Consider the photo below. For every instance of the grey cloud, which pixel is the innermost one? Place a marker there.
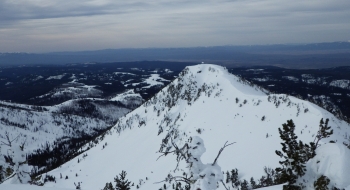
(64, 8)
(168, 23)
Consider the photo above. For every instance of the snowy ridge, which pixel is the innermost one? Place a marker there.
(38, 127)
(205, 98)
(205, 101)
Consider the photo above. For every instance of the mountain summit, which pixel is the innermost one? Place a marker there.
(204, 101)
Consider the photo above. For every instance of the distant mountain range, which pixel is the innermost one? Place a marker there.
(318, 55)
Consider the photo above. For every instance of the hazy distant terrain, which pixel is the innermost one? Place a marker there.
(301, 56)
(51, 85)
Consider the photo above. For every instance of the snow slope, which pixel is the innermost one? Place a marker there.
(28, 187)
(206, 101)
(39, 125)
(36, 127)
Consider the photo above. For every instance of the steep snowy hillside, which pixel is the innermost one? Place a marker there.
(204, 101)
(37, 125)
(40, 124)
(51, 134)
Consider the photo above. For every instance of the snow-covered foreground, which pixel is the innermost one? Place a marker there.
(28, 187)
(32, 187)
(208, 102)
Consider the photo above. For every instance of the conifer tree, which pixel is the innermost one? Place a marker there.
(108, 186)
(228, 177)
(323, 132)
(296, 154)
(121, 182)
(253, 183)
(291, 166)
(244, 185)
(322, 183)
(234, 178)
(1, 173)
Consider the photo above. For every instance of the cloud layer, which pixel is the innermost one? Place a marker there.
(68, 25)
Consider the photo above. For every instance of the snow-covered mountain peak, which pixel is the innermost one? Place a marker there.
(205, 101)
(215, 77)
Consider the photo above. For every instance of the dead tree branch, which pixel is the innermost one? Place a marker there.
(181, 153)
(221, 149)
(224, 185)
(176, 179)
(9, 142)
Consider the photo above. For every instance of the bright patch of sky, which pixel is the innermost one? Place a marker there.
(72, 25)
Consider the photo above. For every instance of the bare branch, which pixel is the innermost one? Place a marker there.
(22, 145)
(225, 185)
(177, 179)
(3, 143)
(9, 142)
(180, 152)
(165, 153)
(221, 149)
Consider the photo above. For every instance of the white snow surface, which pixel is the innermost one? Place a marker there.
(204, 97)
(332, 160)
(57, 77)
(154, 80)
(168, 71)
(24, 123)
(340, 83)
(129, 98)
(73, 90)
(291, 78)
(28, 187)
(126, 94)
(38, 78)
(123, 73)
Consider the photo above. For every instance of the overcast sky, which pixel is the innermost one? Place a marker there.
(74, 25)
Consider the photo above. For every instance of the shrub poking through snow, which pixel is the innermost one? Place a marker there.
(322, 183)
(16, 161)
